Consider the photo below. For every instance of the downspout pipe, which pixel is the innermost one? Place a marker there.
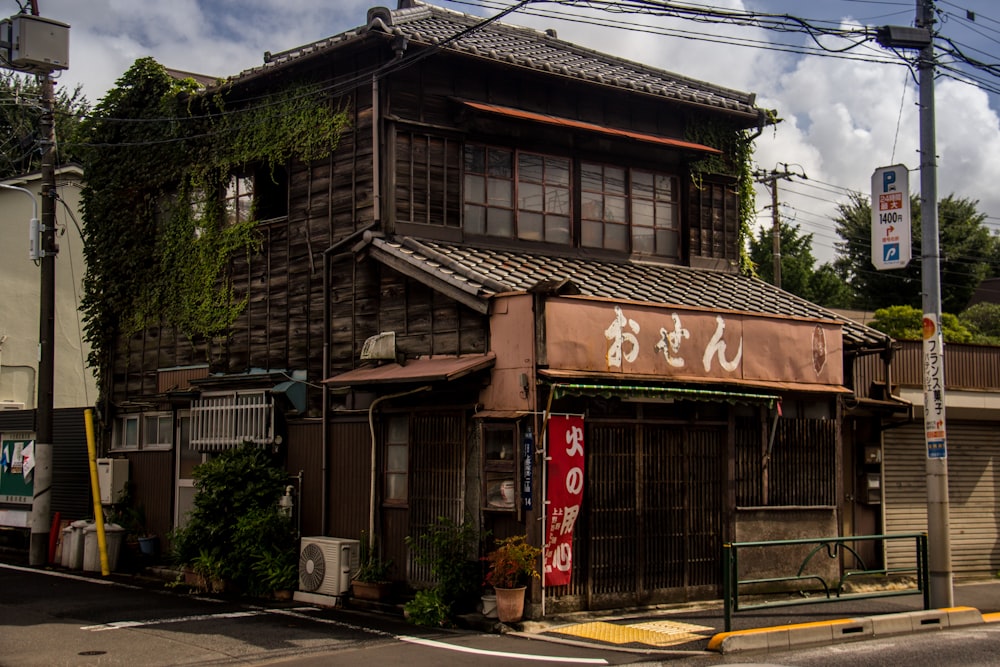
(374, 450)
(329, 256)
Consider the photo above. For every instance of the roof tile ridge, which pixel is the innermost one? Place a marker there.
(546, 38)
(451, 263)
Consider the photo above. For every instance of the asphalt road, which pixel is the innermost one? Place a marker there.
(58, 618)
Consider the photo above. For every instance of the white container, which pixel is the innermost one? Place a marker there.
(67, 539)
(489, 606)
(113, 536)
(74, 558)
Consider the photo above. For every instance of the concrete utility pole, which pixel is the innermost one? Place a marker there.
(771, 180)
(41, 504)
(936, 467)
(938, 524)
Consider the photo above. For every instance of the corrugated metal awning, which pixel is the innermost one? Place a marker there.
(424, 369)
(590, 127)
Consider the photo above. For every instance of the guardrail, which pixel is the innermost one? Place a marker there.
(832, 547)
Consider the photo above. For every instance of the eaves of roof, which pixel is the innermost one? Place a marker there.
(435, 27)
(472, 275)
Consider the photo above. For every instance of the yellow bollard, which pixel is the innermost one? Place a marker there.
(95, 487)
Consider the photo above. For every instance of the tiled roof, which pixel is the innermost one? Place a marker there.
(429, 25)
(483, 272)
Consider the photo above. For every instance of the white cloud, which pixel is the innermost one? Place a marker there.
(842, 117)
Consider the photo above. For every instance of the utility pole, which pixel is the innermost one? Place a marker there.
(938, 524)
(770, 179)
(36, 45)
(41, 504)
(936, 466)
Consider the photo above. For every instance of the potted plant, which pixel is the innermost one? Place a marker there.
(371, 581)
(511, 566)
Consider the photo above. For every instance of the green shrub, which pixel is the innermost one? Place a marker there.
(235, 531)
(428, 609)
(451, 551)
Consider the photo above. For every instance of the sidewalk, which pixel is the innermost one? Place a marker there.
(698, 628)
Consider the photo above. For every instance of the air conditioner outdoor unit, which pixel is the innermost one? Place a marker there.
(327, 564)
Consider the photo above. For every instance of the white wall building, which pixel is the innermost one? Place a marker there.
(20, 278)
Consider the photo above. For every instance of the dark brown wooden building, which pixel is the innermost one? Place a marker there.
(512, 227)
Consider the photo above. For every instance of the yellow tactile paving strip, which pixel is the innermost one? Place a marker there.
(653, 633)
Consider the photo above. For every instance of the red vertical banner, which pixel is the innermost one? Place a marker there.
(564, 495)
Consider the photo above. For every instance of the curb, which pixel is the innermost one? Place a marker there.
(845, 629)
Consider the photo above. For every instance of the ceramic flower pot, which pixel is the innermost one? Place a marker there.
(510, 604)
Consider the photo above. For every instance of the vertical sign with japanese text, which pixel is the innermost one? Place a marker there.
(891, 217)
(565, 494)
(934, 419)
(527, 469)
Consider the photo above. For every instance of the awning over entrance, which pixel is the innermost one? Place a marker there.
(424, 369)
(679, 393)
(667, 387)
(590, 127)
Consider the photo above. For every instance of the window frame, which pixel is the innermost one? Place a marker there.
(390, 473)
(500, 455)
(120, 431)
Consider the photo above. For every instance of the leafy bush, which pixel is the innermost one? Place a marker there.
(512, 563)
(427, 608)
(906, 323)
(450, 550)
(236, 531)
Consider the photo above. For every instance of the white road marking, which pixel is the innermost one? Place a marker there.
(501, 654)
(295, 612)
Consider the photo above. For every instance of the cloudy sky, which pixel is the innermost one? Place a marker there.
(844, 114)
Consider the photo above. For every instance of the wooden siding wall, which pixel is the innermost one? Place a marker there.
(282, 326)
(305, 454)
(348, 477)
(151, 481)
(967, 367)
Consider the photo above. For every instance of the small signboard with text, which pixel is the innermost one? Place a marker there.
(891, 217)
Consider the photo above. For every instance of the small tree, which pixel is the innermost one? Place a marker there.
(906, 323)
(983, 320)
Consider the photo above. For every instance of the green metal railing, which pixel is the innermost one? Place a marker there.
(833, 547)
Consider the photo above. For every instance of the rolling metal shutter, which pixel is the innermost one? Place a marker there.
(973, 476)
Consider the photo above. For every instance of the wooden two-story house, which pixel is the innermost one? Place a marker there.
(512, 229)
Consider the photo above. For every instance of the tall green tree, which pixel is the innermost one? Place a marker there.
(968, 252)
(20, 116)
(798, 276)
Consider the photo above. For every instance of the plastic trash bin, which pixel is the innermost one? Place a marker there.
(73, 552)
(113, 535)
(64, 553)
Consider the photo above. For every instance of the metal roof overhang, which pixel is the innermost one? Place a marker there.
(424, 369)
(667, 386)
(546, 119)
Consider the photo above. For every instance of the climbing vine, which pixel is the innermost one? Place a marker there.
(158, 156)
(736, 161)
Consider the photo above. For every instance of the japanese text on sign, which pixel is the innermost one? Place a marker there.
(565, 494)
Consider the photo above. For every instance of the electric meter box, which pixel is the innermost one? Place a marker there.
(112, 476)
(38, 44)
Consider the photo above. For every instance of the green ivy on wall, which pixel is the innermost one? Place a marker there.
(736, 161)
(158, 153)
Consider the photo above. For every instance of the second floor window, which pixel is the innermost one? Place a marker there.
(517, 194)
(630, 210)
